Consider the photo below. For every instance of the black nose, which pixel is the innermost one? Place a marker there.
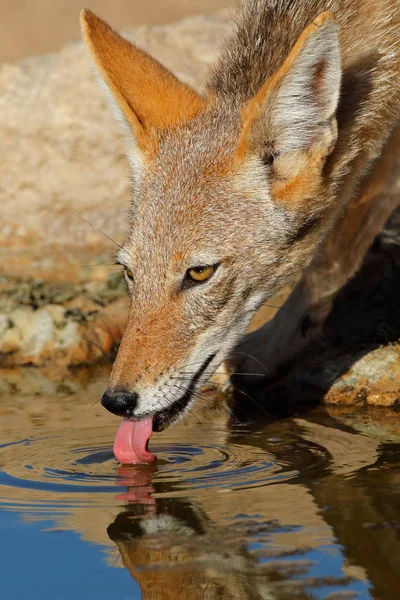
(120, 403)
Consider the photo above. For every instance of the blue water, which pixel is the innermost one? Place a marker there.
(36, 563)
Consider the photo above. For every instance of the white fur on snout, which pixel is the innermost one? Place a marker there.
(165, 522)
(172, 386)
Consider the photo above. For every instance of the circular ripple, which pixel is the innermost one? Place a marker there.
(233, 466)
(53, 470)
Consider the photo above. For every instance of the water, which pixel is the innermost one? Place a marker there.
(294, 508)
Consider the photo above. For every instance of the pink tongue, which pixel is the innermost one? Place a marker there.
(130, 445)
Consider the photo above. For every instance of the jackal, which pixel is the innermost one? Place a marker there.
(284, 162)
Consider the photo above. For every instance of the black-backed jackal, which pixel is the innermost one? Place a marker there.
(285, 161)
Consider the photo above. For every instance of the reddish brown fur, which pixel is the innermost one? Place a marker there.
(156, 350)
(150, 96)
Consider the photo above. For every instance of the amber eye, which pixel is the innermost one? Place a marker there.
(129, 273)
(199, 274)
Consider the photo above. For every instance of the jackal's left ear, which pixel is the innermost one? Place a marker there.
(294, 112)
(150, 98)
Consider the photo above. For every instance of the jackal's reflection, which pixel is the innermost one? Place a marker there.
(173, 550)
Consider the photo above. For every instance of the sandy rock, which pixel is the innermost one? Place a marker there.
(61, 336)
(370, 377)
(63, 151)
(374, 378)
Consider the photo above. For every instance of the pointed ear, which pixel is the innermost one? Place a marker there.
(291, 120)
(149, 96)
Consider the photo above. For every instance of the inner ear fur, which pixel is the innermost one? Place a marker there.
(291, 121)
(148, 95)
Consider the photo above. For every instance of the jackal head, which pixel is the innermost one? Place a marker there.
(229, 199)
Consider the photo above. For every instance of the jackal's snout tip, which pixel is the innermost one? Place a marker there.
(121, 403)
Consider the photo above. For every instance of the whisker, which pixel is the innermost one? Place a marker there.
(305, 267)
(192, 391)
(98, 346)
(240, 391)
(253, 357)
(111, 274)
(100, 265)
(198, 362)
(237, 389)
(193, 412)
(297, 316)
(207, 400)
(94, 227)
(221, 406)
(252, 399)
(290, 312)
(224, 373)
(106, 324)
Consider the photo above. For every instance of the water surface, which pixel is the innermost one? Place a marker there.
(293, 508)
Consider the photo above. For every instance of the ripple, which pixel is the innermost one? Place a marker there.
(227, 467)
(56, 470)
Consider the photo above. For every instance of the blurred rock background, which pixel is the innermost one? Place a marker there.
(28, 28)
(64, 192)
(64, 180)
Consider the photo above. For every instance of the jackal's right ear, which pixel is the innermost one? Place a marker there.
(150, 98)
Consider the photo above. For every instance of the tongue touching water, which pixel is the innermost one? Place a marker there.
(297, 507)
(131, 441)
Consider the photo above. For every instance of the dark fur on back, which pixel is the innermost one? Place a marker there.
(266, 30)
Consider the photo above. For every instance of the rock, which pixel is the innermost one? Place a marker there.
(373, 378)
(63, 151)
(61, 336)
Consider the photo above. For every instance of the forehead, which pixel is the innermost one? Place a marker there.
(187, 186)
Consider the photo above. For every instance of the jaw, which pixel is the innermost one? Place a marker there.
(160, 402)
(181, 406)
(172, 414)
(177, 409)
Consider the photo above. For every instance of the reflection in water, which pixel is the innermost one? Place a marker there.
(291, 508)
(174, 549)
